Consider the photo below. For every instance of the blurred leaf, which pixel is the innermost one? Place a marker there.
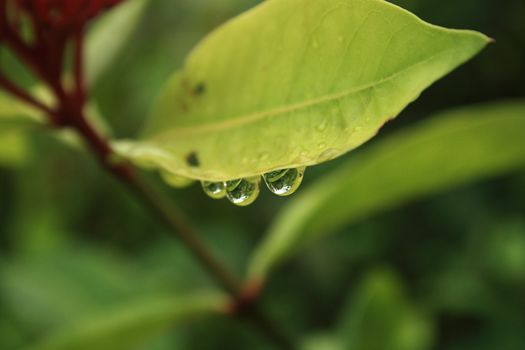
(14, 117)
(92, 297)
(451, 149)
(380, 317)
(57, 286)
(505, 252)
(459, 289)
(322, 342)
(10, 336)
(14, 148)
(13, 112)
(293, 83)
(131, 324)
(109, 35)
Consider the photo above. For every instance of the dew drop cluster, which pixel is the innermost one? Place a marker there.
(243, 192)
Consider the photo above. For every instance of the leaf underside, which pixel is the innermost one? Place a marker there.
(294, 83)
(453, 148)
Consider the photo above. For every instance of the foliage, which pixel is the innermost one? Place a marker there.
(305, 84)
(464, 144)
(422, 229)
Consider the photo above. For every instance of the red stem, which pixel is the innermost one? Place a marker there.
(78, 67)
(45, 58)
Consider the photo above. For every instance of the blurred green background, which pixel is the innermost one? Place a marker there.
(446, 272)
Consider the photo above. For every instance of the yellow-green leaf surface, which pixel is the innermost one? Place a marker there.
(453, 148)
(293, 83)
(130, 326)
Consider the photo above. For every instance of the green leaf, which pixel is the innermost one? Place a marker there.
(109, 35)
(131, 324)
(322, 342)
(14, 117)
(14, 148)
(451, 149)
(381, 317)
(14, 112)
(293, 83)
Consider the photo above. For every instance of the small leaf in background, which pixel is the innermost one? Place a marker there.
(14, 118)
(14, 148)
(293, 83)
(133, 324)
(451, 149)
(91, 299)
(380, 316)
(109, 35)
(13, 112)
(322, 342)
(505, 252)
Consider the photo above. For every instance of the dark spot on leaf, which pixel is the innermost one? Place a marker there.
(184, 107)
(192, 159)
(199, 89)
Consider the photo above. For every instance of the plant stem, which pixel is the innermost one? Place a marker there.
(167, 213)
(45, 58)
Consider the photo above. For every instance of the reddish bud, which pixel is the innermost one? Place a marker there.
(63, 15)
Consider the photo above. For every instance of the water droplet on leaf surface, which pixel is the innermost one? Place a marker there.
(232, 184)
(284, 182)
(243, 192)
(275, 175)
(215, 190)
(322, 127)
(328, 154)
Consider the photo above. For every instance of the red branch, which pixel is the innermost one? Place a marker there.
(78, 67)
(55, 24)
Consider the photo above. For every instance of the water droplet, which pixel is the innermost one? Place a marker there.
(264, 156)
(315, 44)
(175, 180)
(340, 38)
(245, 192)
(322, 127)
(321, 145)
(215, 190)
(275, 175)
(231, 184)
(328, 154)
(358, 128)
(367, 120)
(286, 183)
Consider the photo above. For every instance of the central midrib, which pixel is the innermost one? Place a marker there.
(254, 117)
